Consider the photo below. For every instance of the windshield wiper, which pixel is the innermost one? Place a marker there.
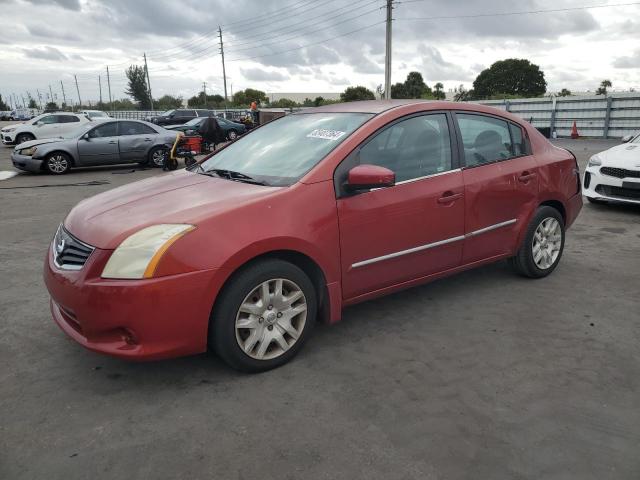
(235, 176)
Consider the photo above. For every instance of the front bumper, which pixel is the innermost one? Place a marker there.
(598, 186)
(7, 138)
(24, 162)
(147, 319)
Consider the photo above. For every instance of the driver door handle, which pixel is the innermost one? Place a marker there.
(449, 197)
(113, 141)
(148, 140)
(526, 176)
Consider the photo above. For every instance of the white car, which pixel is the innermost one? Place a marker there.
(615, 173)
(96, 114)
(48, 125)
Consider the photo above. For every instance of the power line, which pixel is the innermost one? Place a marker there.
(303, 26)
(288, 9)
(308, 44)
(523, 12)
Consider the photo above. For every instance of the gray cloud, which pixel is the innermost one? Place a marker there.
(260, 75)
(45, 53)
(435, 68)
(49, 32)
(631, 61)
(66, 4)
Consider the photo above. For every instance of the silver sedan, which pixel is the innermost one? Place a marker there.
(107, 143)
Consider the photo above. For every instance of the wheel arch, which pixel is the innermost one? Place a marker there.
(58, 150)
(558, 205)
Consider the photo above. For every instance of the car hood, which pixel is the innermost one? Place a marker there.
(13, 125)
(626, 155)
(105, 220)
(34, 143)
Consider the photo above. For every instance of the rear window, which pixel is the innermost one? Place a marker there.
(67, 119)
(135, 128)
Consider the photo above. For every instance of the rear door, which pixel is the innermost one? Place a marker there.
(135, 139)
(67, 123)
(410, 230)
(500, 182)
(101, 146)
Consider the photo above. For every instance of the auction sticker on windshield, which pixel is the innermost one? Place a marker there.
(326, 134)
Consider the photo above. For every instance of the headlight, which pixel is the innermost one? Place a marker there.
(28, 151)
(594, 161)
(138, 256)
(7, 130)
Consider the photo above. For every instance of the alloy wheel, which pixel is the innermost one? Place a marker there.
(271, 319)
(158, 156)
(547, 242)
(232, 135)
(57, 163)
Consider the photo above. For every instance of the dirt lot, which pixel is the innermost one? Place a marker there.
(484, 375)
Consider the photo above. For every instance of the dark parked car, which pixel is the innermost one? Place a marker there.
(107, 143)
(178, 116)
(231, 129)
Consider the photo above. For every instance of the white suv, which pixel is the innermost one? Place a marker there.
(48, 125)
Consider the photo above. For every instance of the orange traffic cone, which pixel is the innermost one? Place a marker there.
(574, 130)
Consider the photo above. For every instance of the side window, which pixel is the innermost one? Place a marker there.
(49, 119)
(485, 139)
(519, 144)
(413, 148)
(185, 113)
(135, 128)
(203, 113)
(67, 119)
(107, 130)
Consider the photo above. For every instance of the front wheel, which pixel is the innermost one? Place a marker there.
(264, 316)
(24, 137)
(543, 244)
(58, 163)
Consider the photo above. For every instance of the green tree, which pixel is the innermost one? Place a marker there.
(512, 76)
(137, 88)
(564, 93)
(602, 89)
(438, 93)
(3, 105)
(353, 94)
(412, 87)
(32, 103)
(284, 103)
(123, 104)
(243, 98)
(167, 102)
(210, 101)
(461, 94)
(52, 106)
(318, 101)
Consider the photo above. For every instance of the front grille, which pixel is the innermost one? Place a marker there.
(620, 192)
(620, 172)
(587, 179)
(69, 253)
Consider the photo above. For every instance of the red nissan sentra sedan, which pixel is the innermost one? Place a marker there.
(244, 251)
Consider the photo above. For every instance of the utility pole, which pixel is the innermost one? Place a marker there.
(204, 90)
(387, 56)
(64, 97)
(39, 98)
(23, 104)
(78, 90)
(224, 73)
(146, 69)
(109, 85)
(51, 93)
(100, 88)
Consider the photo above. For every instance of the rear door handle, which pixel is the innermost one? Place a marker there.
(113, 141)
(148, 140)
(449, 197)
(526, 176)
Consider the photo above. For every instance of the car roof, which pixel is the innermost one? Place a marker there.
(379, 106)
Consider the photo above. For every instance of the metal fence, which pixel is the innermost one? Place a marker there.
(230, 113)
(612, 116)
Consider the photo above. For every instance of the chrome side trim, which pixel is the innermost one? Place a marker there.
(490, 227)
(433, 245)
(428, 176)
(406, 252)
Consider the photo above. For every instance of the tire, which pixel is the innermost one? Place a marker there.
(57, 163)
(543, 244)
(250, 335)
(157, 157)
(232, 135)
(24, 137)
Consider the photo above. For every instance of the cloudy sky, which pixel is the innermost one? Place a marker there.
(309, 45)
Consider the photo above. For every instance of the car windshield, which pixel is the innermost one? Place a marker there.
(282, 151)
(35, 119)
(167, 113)
(194, 122)
(636, 139)
(98, 115)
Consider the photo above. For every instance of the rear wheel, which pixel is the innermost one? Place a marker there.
(232, 135)
(264, 316)
(543, 244)
(24, 137)
(58, 163)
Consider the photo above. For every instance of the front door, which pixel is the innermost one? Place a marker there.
(101, 146)
(410, 230)
(47, 127)
(501, 185)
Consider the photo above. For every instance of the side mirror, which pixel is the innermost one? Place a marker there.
(365, 177)
(627, 138)
(85, 136)
(39, 123)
